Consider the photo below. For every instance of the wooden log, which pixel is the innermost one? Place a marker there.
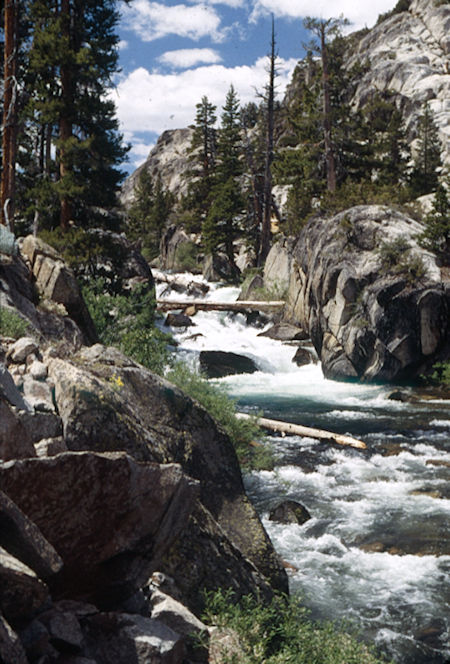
(308, 432)
(206, 305)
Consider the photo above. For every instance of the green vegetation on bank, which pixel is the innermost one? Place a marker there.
(282, 633)
(12, 325)
(244, 434)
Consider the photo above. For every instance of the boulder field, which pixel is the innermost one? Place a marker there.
(121, 499)
(375, 304)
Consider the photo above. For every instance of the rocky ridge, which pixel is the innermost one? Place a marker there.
(169, 159)
(120, 499)
(409, 55)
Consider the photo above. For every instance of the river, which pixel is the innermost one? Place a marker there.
(376, 551)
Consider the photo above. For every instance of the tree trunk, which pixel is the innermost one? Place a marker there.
(329, 152)
(9, 138)
(65, 123)
(267, 209)
(307, 432)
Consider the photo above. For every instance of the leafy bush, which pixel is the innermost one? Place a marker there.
(186, 257)
(441, 374)
(12, 324)
(281, 633)
(126, 321)
(244, 434)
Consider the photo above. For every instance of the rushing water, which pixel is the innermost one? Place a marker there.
(377, 548)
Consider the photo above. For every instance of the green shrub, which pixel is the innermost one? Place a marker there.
(282, 633)
(396, 258)
(244, 434)
(12, 324)
(186, 257)
(126, 321)
(441, 374)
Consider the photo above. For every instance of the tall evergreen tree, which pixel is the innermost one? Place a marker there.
(323, 31)
(68, 118)
(227, 200)
(437, 223)
(203, 158)
(9, 120)
(149, 213)
(264, 245)
(425, 175)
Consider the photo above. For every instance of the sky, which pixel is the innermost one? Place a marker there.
(174, 52)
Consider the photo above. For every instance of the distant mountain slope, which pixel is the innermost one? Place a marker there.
(409, 54)
(169, 158)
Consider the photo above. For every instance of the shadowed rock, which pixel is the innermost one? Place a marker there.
(217, 363)
(109, 517)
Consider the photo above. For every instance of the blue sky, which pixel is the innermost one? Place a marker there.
(174, 52)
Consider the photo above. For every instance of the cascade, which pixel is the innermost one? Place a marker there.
(376, 551)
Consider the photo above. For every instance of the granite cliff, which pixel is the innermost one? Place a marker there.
(375, 304)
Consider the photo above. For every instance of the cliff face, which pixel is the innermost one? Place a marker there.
(409, 54)
(369, 318)
(168, 159)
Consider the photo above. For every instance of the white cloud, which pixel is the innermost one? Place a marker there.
(359, 14)
(153, 20)
(122, 45)
(139, 150)
(152, 102)
(189, 57)
(234, 4)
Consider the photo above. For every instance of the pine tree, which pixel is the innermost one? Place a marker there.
(72, 56)
(437, 232)
(269, 103)
(227, 200)
(203, 149)
(9, 120)
(424, 176)
(149, 213)
(323, 30)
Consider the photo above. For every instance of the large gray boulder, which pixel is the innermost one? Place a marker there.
(368, 321)
(108, 402)
(56, 282)
(109, 517)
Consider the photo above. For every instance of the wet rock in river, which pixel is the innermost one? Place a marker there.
(304, 356)
(178, 320)
(217, 363)
(290, 511)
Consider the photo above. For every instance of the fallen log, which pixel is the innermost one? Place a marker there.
(206, 305)
(308, 432)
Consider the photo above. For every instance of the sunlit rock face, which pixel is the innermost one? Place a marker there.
(409, 54)
(368, 320)
(170, 159)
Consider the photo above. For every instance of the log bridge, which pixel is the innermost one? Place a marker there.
(206, 305)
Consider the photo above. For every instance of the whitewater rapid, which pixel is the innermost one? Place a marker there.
(377, 548)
